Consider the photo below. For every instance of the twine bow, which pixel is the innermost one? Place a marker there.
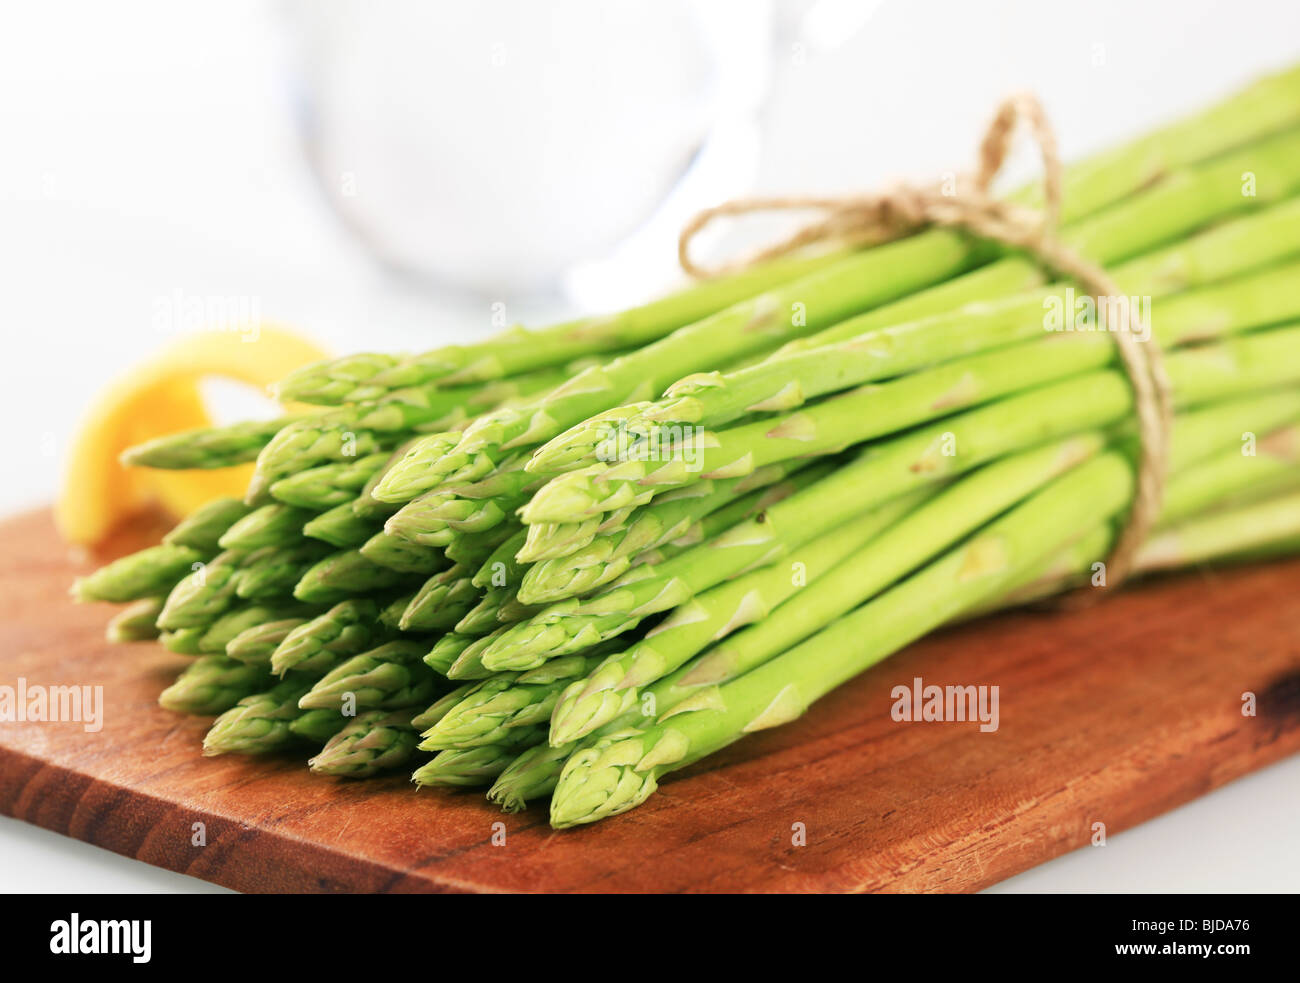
(879, 217)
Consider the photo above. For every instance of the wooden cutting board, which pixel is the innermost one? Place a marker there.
(1110, 715)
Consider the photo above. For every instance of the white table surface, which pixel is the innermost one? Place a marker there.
(145, 151)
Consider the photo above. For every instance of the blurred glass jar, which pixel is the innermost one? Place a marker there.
(500, 145)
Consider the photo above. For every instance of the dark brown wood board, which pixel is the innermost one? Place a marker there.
(1113, 714)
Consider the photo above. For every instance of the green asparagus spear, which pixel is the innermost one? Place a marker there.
(341, 527)
(502, 703)
(329, 485)
(479, 765)
(441, 601)
(144, 574)
(519, 351)
(207, 447)
(680, 521)
(257, 724)
(342, 575)
(218, 636)
(203, 528)
(212, 684)
(137, 622)
(347, 629)
(182, 641)
(533, 774)
(258, 643)
(401, 555)
(446, 651)
(440, 707)
(318, 726)
(388, 677)
(373, 742)
(269, 525)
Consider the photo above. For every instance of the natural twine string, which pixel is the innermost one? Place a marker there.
(871, 218)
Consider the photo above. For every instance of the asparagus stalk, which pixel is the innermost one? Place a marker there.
(491, 710)
(502, 568)
(441, 601)
(440, 707)
(341, 527)
(203, 528)
(548, 540)
(609, 557)
(1235, 471)
(258, 643)
(374, 742)
(212, 589)
(531, 775)
(1211, 536)
(387, 420)
(274, 524)
(473, 548)
(136, 622)
(669, 519)
(401, 555)
(497, 606)
(446, 651)
(478, 765)
(1261, 529)
(348, 628)
(204, 595)
(146, 573)
(329, 485)
(621, 771)
(318, 726)
(469, 663)
(365, 505)
(182, 641)
(212, 684)
(257, 724)
(517, 351)
(418, 522)
(390, 616)
(207, 447)
(217, 636)
(344, 574)
(388, 677)
(450, 511)
(272, 572)
(307, 444)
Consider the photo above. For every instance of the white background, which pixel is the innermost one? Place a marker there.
(145, 148)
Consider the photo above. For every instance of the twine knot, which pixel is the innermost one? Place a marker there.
(862, 219)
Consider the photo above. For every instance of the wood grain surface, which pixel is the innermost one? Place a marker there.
(1110, 715)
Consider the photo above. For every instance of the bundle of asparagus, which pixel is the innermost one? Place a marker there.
(567, 562)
